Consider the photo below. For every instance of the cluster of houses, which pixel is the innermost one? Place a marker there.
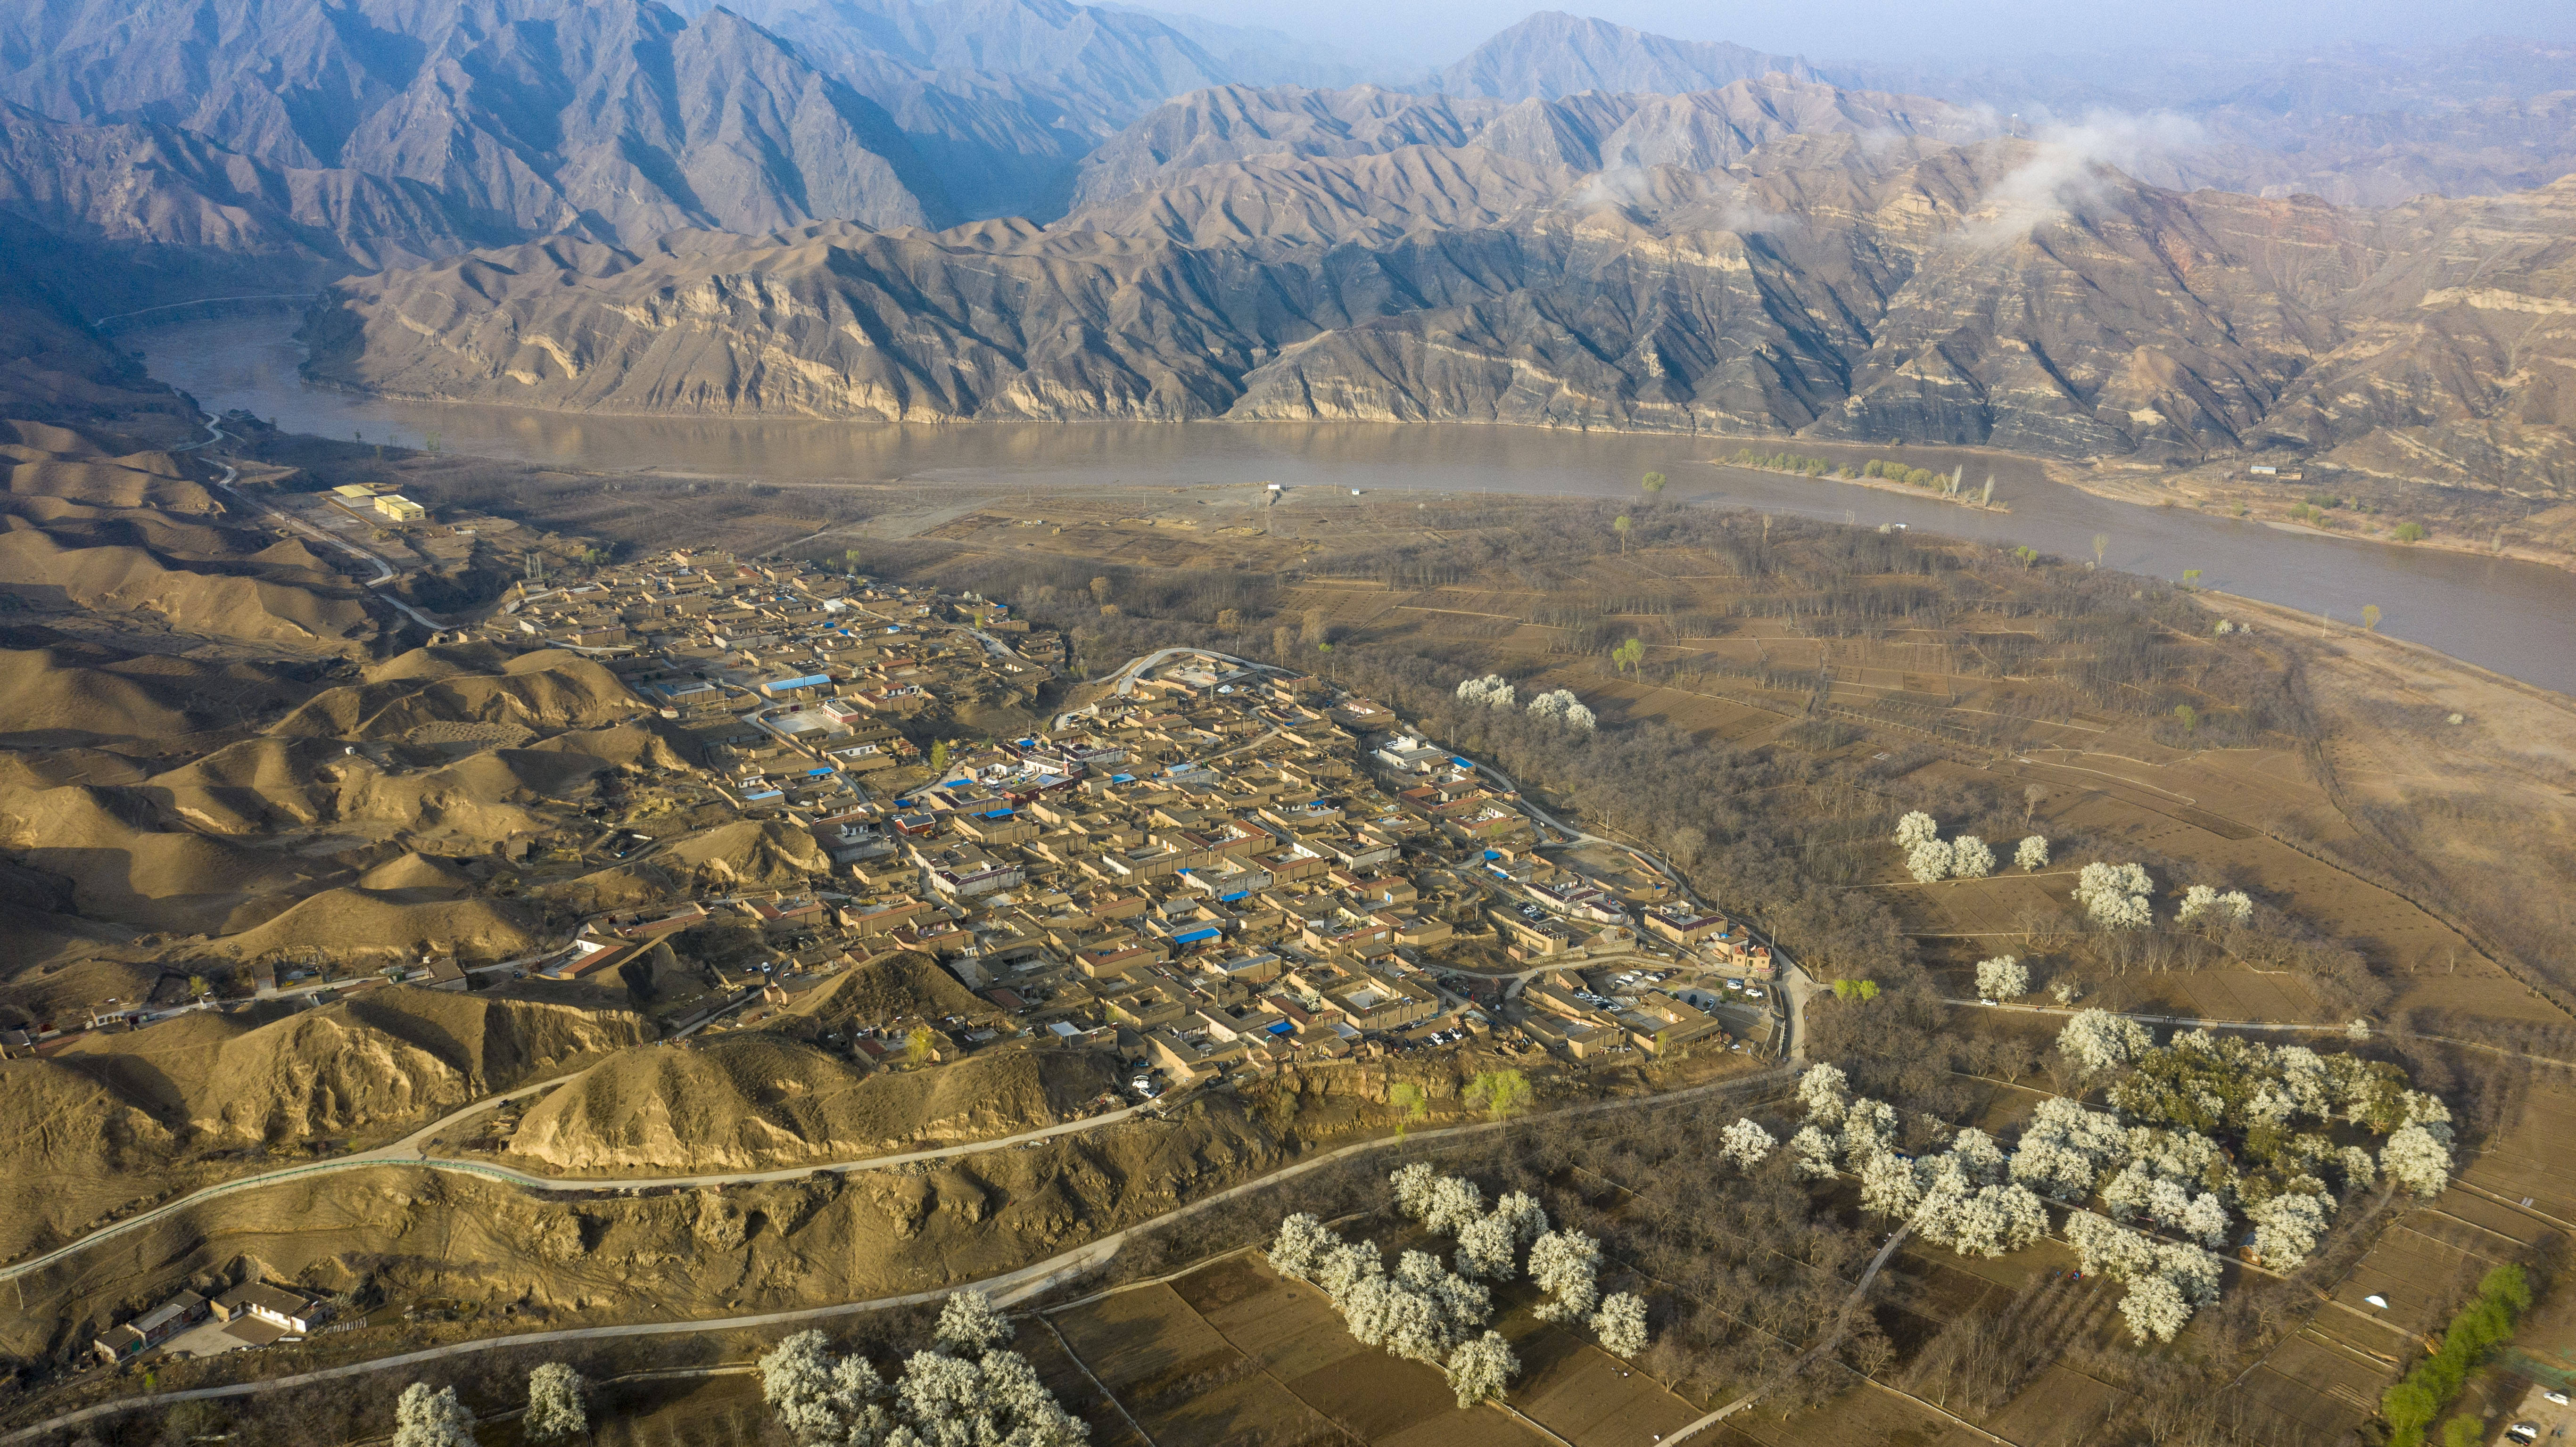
(1218, 868)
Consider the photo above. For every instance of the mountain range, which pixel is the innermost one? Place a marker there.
(962, 209)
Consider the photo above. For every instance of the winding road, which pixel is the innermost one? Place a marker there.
(1008, 1288)
(412, 1151)
(385, 571)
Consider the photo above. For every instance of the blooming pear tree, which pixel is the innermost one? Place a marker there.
(1916, 828)
(1620, 1324)
(1971, 857)
(1480, 1369)
(2031, 854)
(2167, 1281)
(1490, 691)
(2002, 978)
(964, 1389)
(2114, 896)
(426, 1418)
(1931, 861)
(556, 1405)
(1566, 1265)
(1815, 1149)
(1745, 1144)
(2097, 1040)
(1563, 707)
(1826, 1093)
(2418, 1160)
(2203, 905)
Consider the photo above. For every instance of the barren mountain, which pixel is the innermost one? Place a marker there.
(303, 131)
(1554, 54)
(1279, 169)
(114, 1115)
(2005, 293)
(751, 1101)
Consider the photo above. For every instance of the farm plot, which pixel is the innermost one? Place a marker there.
(2528, 1160)
(1232, 1353)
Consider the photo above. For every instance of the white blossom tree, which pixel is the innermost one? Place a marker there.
(1490, 691)
(1413, 1185)
(555, 1404)
(1815, 1150)
(1565, 1265)
(2053, 1168)
(1996, 1220)
(1621, 1324)
(2205, 1220)
(2202, 904)
(1454, 1202)
(2115, 896)
(1480, 1369)
(1915, 828)
(1971, 857)
(1562, 706)
(426, 1418)
(2417, 1159)
(1931, 861)
(2155, 1309)
(2287, 1228)
(1020, 1410)
(1303, 1238)
(2428, 1111)
(2002, 978)
(970, 1325)
(1343, 1266)
(1888, 1185)
(1869, 1127)
(796, 1379)
(2097, 1040)
(1826, 1093)
(1979, 1156)
(1369, 1309)
(1746, 1144)
(2192, 1269)
(1528, 1218)
(2031, 853)
(1486, 1248)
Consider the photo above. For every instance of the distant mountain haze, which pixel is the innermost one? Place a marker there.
(965, 209)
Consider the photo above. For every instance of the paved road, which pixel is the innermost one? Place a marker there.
(385, 572)
(412, 1152)
(1126, 674)
(1796, 986)
(1008, 1288)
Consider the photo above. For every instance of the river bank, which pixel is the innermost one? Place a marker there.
(2501, 613)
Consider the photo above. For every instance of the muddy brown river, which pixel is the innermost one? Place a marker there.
(2517, 618)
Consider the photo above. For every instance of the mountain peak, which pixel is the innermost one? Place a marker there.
(1554, 53)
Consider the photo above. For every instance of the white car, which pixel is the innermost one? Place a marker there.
(2523, 1431)
(2555, 1399)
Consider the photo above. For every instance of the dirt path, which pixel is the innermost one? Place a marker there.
(1007, 1288)
(1830, 1340)
(2198, 1023)
(411, 1151)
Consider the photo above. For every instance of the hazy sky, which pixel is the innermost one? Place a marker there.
(1892, 30)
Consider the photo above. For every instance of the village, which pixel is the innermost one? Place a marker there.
(1211, 869)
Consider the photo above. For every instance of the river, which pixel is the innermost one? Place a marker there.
(2513, 617)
